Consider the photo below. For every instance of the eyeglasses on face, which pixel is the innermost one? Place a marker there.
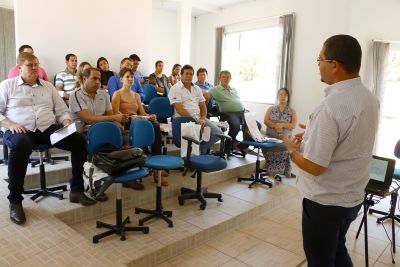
(319, 59)
(32, 65)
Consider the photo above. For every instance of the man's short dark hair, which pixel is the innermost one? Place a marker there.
(87, 72)
(346, 50)
(134, 57)
(125, 59)
(186, 67)
(22, 48)
(68, 56)
(200, 70)
(158, 62)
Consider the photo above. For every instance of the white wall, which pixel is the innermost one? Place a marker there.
(370, 20)
(164, 39)
(94, 28)
(315, 21)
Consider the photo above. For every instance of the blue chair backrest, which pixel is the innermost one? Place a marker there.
(141, 133)
(176, 128)
(103, 133)
(161, 107)
(150, 92)
(166, 89)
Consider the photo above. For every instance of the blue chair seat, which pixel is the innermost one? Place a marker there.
(207, 163)
(163, 162)
(129, 176)
(259, 144)
(396, 174)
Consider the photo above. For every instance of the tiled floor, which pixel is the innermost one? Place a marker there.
(252, 227)
(275, 240)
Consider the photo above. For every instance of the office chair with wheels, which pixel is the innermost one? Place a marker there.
(108, 133)
(201, 163)
(44, 190)
(142, 135)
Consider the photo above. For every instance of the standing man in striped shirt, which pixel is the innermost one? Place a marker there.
(334, 153)
(65, 80)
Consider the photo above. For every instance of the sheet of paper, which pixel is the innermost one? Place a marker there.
(62, 133)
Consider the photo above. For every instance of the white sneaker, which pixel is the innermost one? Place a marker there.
(206, 135)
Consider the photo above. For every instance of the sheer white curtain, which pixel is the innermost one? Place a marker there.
(7, 42)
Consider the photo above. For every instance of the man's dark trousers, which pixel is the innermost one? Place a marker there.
(20, 147)
(324, 233)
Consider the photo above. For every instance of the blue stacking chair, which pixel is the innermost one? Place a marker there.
(161, 107)
(258, 176)
(201, 163)
(108, 133)
(150, 92)
(142, 135)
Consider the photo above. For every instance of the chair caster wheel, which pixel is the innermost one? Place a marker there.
(171, 225)
(61, 197)
(123, 238)
(220, 199)
(98, 225)
(181, 202)
(249, 185)
(140, 223)
(146, 231)
(95, 241)
(136, 211)
(203, 206)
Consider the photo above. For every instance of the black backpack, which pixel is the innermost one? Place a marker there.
(117, 160)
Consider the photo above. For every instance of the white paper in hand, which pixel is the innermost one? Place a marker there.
(62, 133)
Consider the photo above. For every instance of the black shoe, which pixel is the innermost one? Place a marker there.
(80, 197)
(17, 214)
(135, 185)
(103, 197)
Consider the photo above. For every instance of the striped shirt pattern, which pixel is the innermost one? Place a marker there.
(340, 136)
(67, 80)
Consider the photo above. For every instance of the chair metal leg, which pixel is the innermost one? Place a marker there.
(119, 228)
(158, 212)
(257, 177)
(44, 191)
(200, 193)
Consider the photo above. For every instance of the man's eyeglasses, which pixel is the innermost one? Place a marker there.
(32, 65)
(319, 59)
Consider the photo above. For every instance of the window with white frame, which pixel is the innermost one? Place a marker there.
(252, 53)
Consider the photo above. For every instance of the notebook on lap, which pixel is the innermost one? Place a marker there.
(380, 174)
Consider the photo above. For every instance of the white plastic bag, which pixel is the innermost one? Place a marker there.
(192, 130)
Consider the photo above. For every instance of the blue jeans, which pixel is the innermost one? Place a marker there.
(21, 145)
(324, 233)
(205, 146)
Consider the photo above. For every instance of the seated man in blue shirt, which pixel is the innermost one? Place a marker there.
(31, 110)
(114, 83)
(212, 108)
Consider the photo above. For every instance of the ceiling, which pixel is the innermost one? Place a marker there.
(199, 7)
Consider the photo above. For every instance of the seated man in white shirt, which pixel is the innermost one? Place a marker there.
(188, 101)
(31, 110)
